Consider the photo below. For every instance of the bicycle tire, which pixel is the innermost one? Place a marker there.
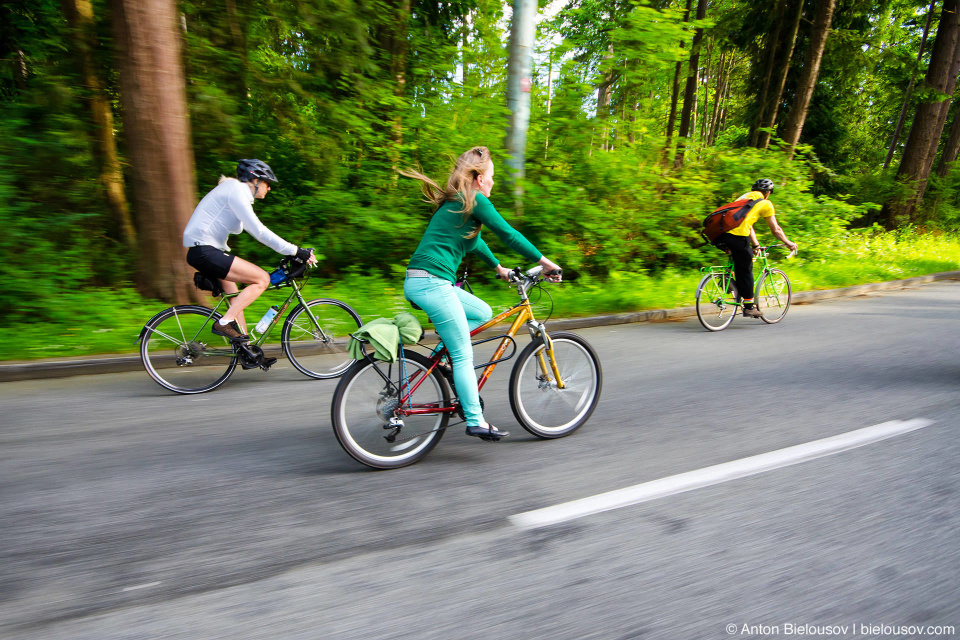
(773, 296)
(320, 354)
(539, 406)
(361, 407)
(174, 350)
(714, 311)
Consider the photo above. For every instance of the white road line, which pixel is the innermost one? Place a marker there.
(141, 586)
(714, 475)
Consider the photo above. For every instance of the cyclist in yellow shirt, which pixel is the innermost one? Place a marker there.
(742, 242)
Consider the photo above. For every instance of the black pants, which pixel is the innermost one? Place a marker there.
(739, 248)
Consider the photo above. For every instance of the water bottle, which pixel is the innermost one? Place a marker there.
(267, 319)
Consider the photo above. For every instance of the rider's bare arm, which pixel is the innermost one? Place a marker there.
(778, 232)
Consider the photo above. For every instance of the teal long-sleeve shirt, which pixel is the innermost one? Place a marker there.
(443, 245)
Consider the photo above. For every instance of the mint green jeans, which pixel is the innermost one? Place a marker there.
(454, 313)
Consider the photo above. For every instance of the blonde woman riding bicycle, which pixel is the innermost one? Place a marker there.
(462, 208)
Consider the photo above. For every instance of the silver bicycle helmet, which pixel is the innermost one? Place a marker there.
(763, 184)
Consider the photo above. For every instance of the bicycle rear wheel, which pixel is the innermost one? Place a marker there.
(716, 295)
(540, 406)
(319, 349)
(364, 403)
(180, 352)
(773, 296)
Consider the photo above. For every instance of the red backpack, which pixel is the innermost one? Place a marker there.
(727, 217)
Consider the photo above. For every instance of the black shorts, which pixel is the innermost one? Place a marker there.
(210, 261)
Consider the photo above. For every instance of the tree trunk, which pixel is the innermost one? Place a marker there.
(690, 92)
(944, 110)
(239, 45)
(464, 43)
(773, 108)
(950, 151)
(808, 78)
(79, 15)
(718, 90)
(157, 129)
(773, 45)
(906, 97)
(927, 123)
(706, 93)
(522, 32)
(675, 96)
(604, 92)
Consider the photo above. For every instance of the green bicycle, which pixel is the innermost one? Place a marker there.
(181, 354)
(718, 299)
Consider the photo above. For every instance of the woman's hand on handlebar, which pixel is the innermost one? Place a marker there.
(548, 268)
(503, 273)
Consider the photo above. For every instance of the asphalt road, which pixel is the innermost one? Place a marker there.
(130, 512)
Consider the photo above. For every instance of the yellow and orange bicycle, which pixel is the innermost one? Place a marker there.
(390, 415)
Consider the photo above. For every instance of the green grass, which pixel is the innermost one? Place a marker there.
(108, 321)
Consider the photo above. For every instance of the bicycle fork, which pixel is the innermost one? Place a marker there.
(538, 332)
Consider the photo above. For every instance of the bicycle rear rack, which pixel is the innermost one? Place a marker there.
(713, 269)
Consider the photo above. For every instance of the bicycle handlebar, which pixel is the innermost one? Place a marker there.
(763, 248)
(294, 267)
(534, 275)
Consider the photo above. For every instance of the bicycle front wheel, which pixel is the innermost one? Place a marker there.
(773, 296)
(364, 403)
(315, 342)
(539, 404)
(716, 296)
(180, 352)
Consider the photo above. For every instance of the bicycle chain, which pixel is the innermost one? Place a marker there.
(417, 435)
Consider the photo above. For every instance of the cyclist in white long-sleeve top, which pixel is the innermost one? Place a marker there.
(228, 210)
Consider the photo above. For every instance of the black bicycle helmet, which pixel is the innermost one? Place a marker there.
(250, 170)
(763, 184)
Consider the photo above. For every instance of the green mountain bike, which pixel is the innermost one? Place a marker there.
(718, 299)
(181, 354)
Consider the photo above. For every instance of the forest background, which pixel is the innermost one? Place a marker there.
(117, 115)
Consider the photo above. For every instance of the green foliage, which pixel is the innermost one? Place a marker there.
(338, 94)
(100, 321)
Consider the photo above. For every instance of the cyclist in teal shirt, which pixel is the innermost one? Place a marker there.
(463, 207)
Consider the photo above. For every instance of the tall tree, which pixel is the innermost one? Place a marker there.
(906, 95)
(952, 146)
(157, 128)
(675, 95)
(690, 91)
(519, 68)
(811, 69)
(929, 117)
(83, 31)
(773, 45)
(775, 97)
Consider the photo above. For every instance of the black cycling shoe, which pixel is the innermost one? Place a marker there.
(230, 330)
(489, 433)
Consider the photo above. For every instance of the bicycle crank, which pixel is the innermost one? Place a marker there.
(251, 356)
